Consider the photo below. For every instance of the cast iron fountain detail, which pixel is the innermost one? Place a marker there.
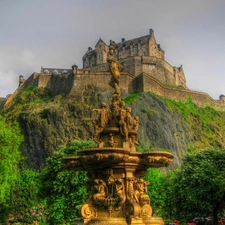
(115, 169)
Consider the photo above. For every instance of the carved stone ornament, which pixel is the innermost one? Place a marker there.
(117, 192)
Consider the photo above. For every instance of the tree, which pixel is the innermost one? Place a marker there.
(156, 190)
(64, 189)
(26, 204)
(198, 188)
(10, 141)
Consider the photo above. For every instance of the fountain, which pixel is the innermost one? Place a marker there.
(115, 170)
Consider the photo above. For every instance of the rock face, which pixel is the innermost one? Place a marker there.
(47, 124)
(161, 127)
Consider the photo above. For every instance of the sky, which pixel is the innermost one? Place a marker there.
(57, 33)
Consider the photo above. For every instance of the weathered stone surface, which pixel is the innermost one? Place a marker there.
(161, 127)
(54, 123)
(57, 123)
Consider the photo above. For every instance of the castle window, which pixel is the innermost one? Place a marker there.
(139, 45)
(100, 55)
(87, 62)
(124, 49)
(131, 48)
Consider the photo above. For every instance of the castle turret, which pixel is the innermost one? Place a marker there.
(74, 68)
(222, 98)
(21, 80)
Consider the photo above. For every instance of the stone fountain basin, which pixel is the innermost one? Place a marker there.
(100, 158)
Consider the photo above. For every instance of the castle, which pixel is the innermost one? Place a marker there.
(139, 55)
(145, 69)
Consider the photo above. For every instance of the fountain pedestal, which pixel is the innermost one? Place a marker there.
(117, 191)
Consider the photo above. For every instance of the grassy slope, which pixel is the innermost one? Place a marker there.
(207, 124)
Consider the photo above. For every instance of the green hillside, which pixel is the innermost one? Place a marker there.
(47, 122)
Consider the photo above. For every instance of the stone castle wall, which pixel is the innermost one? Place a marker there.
(85, 78)
(163, 71)
(72, 85)
(201, 99)
(156, 67)
(32, 80)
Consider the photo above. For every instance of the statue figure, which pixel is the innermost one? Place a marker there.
(115, 69)
(135, 123)
(100, 190)
(112, 140)
(101, 122)
(140, 189)
(115, 98)
(122, 120)
(143, 199)
(110, 180)
(133, 138)
(114, 113)
(129, 118)
(119, 193)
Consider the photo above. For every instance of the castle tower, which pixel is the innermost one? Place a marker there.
(101, 50)
(154, 48)
(138, 55)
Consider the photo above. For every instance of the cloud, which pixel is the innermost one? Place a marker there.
(52, 33)
(14, 62)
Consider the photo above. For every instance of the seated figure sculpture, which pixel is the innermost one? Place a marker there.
(100, 190)
(141, 198)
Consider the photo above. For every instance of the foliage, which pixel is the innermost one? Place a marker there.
(173, 86)
(144, 146)
(207, 124)
(198, 188)
(131, 98)
(64, 190)
(148, 111)
(156, 190)
(26, 205)
(10, 141)
(169, 209)
(35, 95)
(26, 100)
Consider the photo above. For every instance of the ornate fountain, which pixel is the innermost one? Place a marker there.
(117, 190)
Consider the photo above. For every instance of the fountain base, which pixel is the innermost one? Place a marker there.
(119, 221)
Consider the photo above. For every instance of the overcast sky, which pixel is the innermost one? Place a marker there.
(57, 33)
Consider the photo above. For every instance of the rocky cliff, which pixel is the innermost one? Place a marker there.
(48, 122)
